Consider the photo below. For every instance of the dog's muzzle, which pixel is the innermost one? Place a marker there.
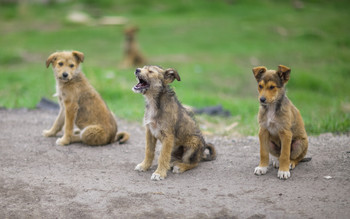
(64, 76)
(262, 99)
(142, 86)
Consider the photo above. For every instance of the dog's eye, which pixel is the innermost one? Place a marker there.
(150, 72)
(60, 63)
(260, 86)
(272, 87)
(71, 65)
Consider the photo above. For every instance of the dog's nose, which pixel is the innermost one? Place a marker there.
(65, 74)
(137, 71)
(262, 99)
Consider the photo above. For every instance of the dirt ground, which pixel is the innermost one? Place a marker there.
(41, 180)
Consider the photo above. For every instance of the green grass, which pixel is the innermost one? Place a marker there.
(213, 45)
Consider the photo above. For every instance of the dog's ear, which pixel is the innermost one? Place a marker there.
(284, 73)
(258, 72)
(78, 55)
(51, 59)
(170, 75)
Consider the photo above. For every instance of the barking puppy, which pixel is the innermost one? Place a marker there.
(132, 55)
(282, 131)
(166, 120)
(80, 105)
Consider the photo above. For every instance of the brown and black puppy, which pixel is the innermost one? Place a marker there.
(166, 120)
(282, 131)
(132, 54)
(80, 105)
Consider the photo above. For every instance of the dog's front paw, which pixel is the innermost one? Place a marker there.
(48, 133)
(157, 177)
(140, 167)
(62, 141)
(283, 174)
(260, 170)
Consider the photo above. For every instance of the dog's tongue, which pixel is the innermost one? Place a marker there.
(141, 84)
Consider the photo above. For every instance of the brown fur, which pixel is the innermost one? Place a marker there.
(132, 54)
(80, 105)
(282, 131)
(166, 120)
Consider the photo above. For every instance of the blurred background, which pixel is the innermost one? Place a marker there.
(213, 44)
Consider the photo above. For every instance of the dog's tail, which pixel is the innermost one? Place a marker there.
(122, 137)
(212, 153)
(306, 159)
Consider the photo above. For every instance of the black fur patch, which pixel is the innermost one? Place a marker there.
(274, 77)
(178, 121)
(279, 102)
(162, 133)
(194, 157)
(157, 99)
(306, 159)
(178, 153)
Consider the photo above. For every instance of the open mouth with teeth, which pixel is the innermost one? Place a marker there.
(142, 85)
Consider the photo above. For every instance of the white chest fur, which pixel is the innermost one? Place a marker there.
(150, 112)
(57, 90)
(270, 117)
(150, 120)
(270, 122)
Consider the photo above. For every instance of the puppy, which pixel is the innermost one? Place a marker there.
(166, 120)
(132, 54)
(80, 105)
(282, 131)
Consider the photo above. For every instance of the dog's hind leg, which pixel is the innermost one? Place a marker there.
(190, 158)
(298, 151)
(176, 155)
(182, 167)
(94, 135)
(75, 138)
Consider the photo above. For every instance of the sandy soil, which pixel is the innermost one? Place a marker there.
(41, 180)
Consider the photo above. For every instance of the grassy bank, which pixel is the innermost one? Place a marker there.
(212, 44)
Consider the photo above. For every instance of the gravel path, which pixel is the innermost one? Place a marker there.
(41, 180)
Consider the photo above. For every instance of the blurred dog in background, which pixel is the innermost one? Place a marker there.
(132, 55)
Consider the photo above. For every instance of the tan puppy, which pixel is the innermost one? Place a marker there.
(132, 54)
(282, 131)
(80, 105)
(166, 120)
